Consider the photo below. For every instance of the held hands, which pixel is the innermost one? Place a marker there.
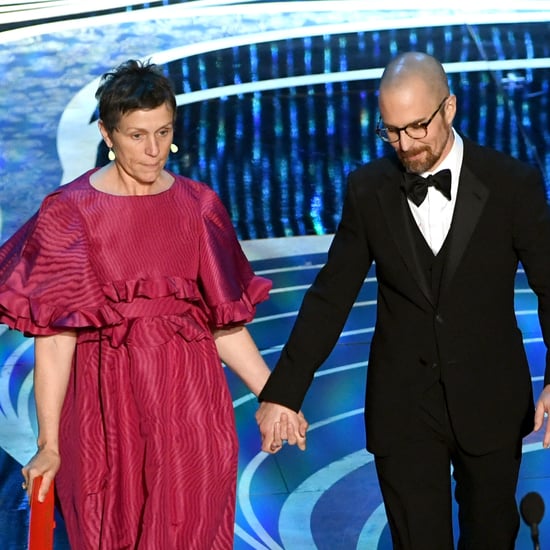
(44, 463)
(542, 410)
(278, 424)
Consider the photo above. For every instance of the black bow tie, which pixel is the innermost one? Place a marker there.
(416, 187)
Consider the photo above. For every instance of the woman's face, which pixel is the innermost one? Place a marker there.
(141, 142)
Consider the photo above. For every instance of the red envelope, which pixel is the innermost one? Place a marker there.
(41, 522)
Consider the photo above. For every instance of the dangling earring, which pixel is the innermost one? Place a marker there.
(111, 155)
(174, 148)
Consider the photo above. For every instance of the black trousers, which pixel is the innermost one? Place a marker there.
(416, 487)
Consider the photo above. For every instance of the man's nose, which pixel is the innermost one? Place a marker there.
(405, 142)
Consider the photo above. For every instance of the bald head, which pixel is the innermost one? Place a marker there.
(415, 68)
(414, 96)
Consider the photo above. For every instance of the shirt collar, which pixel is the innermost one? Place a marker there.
(451, 160)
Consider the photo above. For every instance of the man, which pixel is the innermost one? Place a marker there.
(448, 380)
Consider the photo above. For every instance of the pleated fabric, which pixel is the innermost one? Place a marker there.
(148, 441)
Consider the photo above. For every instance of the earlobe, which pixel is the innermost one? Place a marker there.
(104, 134)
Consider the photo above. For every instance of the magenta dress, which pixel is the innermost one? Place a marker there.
(148, 441)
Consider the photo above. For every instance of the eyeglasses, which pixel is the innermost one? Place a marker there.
(416, 130)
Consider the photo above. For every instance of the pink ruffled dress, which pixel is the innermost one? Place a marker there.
(148, 441)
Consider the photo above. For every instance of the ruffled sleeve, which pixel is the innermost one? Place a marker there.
(230, 288)
(47, 283)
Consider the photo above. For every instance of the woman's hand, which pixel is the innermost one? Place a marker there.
(278, 424)
(45, 463)
(52, 368)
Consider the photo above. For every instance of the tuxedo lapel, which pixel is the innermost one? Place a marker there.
(396, 210)
(471, 199)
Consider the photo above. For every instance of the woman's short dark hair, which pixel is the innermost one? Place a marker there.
(132, 85)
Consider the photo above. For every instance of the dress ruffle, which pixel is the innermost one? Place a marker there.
(230, 312)
(241, 310)
(33, 318)
(128, 291)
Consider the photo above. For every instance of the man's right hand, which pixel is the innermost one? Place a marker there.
(277, 424)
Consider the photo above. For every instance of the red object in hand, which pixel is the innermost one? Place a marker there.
(41, 522)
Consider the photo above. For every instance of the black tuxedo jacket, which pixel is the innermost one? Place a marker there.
(468, 338)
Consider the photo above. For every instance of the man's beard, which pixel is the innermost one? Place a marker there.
(427, 161)
(422, 164)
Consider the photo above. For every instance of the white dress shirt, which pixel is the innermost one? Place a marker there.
(435, 214)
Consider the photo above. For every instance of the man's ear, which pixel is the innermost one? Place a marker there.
(449, 109)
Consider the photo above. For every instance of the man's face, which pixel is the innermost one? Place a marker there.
(414, 104)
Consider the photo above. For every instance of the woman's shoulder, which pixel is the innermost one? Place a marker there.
(199, 198)
(69, 190)
(186, 184)
(64, 203)
(193, 190)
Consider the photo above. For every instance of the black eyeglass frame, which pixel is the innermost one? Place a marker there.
(380, 130)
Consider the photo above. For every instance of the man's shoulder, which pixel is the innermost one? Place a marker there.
(380, 165)
(488, 160)
(376, 173)
(502, 173)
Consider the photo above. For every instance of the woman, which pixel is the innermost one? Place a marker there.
(133, 283)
